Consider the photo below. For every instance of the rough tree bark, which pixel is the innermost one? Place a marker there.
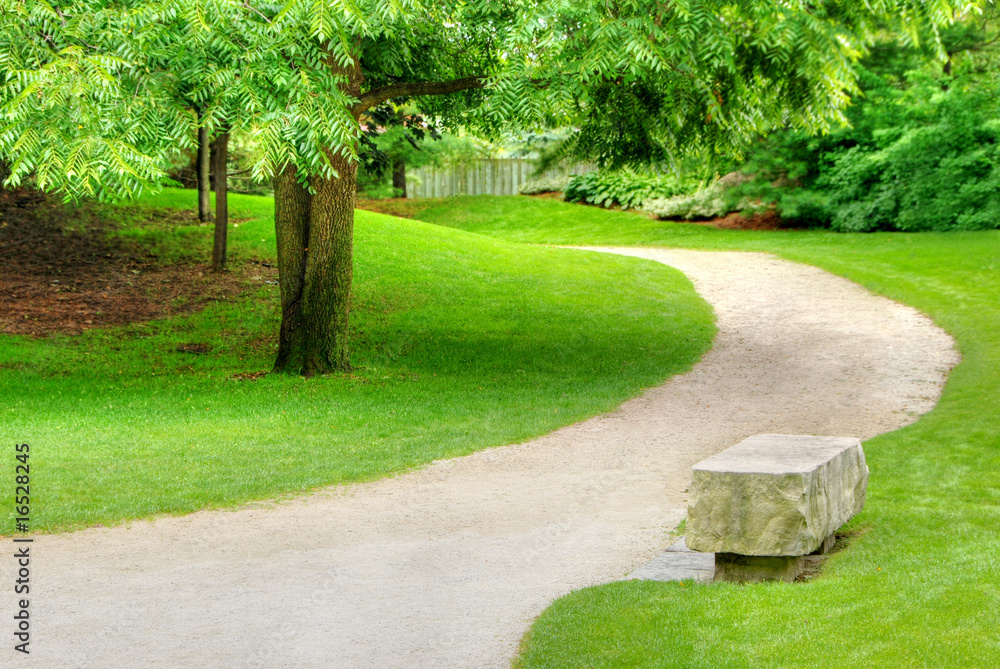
(399, 178)
(315, 235)
(291, 224)
(329, 271)
(220, 152)
(203, 167)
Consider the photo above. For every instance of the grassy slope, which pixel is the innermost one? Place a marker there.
(921, 586)
(460, 342)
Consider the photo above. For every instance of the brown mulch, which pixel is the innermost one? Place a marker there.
(61, 272)
(767, 220)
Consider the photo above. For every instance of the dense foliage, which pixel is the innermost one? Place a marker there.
(929, 160)
(709, 202)
(89, 103)
(625, 188)
(923, 152)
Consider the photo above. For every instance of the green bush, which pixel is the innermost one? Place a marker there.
(544, 185)
(712, 202)
(923, 153)
(624, 188)
(937, 172)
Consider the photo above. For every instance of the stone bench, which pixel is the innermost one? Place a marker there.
(763, 504)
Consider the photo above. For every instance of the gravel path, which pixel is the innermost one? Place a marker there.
(447, 566)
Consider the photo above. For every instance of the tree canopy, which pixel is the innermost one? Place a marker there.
(87, 103)
(88, 85)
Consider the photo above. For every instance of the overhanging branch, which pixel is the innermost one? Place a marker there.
(377, 96)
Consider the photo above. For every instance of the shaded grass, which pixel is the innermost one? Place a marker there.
(921, 587)
(460, 342)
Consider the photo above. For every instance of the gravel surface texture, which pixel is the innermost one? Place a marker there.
(447, 566)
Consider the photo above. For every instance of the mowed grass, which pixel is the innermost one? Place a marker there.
(919, 586)
(460, 342)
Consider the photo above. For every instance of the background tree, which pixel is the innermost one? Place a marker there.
(96, 93)
(184, 69)
(973, 40)
(391, 139)
(196, 71)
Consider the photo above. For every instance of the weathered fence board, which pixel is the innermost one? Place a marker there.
(500, 176)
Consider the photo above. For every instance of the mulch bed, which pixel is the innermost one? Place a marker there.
(61, 272)
(767, 220)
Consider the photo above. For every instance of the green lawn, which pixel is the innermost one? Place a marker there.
(460, 342)
(921, 586)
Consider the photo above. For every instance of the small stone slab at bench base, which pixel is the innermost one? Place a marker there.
(775, 494)
(677, 563)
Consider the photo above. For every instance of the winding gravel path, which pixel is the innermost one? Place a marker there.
(447, 566)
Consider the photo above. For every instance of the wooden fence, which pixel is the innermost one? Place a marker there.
(500, 176)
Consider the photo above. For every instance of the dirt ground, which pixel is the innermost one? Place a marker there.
(62, 271)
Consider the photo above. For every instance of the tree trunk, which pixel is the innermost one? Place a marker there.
(399, 178)
(291, 225)
(329, 270)
(220, 149)
(204, 183)
(315, 235)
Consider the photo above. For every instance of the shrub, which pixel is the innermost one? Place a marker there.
(544, 185)
(939, 174)
(923, 153)
(624, 188)
(712, 202)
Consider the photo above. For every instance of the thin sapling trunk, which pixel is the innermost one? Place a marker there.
(220, 150)
(202, 170)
